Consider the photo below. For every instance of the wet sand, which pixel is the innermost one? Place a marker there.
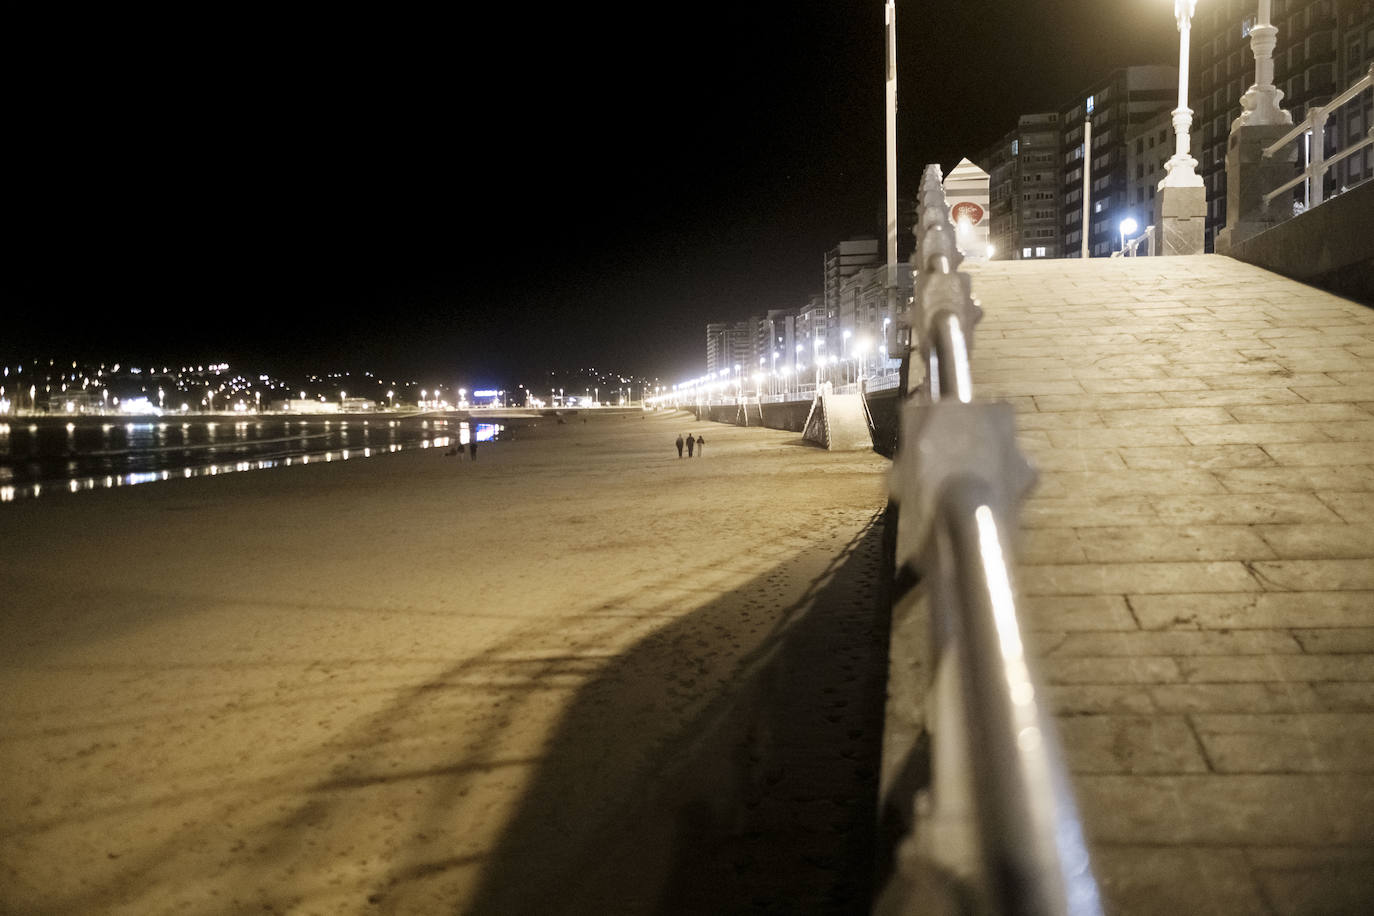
(578, 675)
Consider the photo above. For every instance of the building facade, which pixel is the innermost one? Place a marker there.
(1095, 190)
(1322, 47)
(1025, 178)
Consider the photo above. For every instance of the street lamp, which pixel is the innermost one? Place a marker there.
(1181, 165)
(1128, 226)
(1260, 103)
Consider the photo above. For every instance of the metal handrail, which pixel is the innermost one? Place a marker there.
(996, 823)
(1314, 172)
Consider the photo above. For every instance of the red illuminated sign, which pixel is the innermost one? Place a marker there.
(967, 209)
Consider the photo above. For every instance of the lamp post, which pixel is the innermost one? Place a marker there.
(1128, 226)
(1181, 165)
(1260, 103)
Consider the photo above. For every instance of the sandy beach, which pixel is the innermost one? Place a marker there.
(577, 675)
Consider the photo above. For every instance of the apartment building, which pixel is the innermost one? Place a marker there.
(1322, 47)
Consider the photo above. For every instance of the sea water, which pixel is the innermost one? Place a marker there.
(41, 456)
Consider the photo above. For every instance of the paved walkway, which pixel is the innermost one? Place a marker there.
(1198, 566)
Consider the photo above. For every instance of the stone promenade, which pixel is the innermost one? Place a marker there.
(1197, 563)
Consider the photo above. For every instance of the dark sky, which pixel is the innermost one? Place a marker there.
(490, 193)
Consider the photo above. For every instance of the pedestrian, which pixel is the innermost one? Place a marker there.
(472, 446)
(701, 446)
(679, 445)
(691, 445)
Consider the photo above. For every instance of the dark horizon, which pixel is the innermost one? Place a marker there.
(483, 196)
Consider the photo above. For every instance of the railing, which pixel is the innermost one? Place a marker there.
(1131, 247)
(994, 828)
(877, 382)
(1314, 172)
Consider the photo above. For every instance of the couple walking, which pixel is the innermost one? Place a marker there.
(693, 445)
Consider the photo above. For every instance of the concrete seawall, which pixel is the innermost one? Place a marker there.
(883, 406)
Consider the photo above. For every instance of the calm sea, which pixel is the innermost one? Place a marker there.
(50, 455)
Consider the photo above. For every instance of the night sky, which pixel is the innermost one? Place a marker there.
(490, 194)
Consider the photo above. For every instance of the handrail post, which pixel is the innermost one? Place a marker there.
(1316, 167)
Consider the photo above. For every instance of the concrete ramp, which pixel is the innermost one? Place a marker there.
(838, 422)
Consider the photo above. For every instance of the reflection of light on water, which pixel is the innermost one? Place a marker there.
(76, 484)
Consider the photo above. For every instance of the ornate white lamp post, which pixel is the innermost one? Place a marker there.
(1248, 173)
(1260, 103)
(1181, 165)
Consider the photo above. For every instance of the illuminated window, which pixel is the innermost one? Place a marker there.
(1040, 252)
(1025, 252)
(1089, 104)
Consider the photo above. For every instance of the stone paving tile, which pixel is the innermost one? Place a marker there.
(1258, 433)
(1305, 809)
(1135, 578)
(1079, 670)
(1247, 367)
(1051, 403)
(1349, 432)
(1101, 386)
(1076, 612)
(1228, 397)
(1307, 743)
(1267, 610)
(1310, 453)
(1049, 545)
(1065, 420)
(1131, 744)
(1346, 696)
(1143, 544)
(1337, 639)
(1136, 437)
(1353, 507)
(1297, 477)
(1243, 508)
(1080, 484)
(1175, 643)
(1304, 880)
(1179, 416)
(1347, 393)
(1301, 542)
(1264, 380)
(1088, 699)
(1172, 880)
(1197, 456)
(1314, 575)
(1073, 513)
(1262, 697)
(1048, 458)
(1214, 669)
(1299, 413)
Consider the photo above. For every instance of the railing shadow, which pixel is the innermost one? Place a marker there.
(762, 802)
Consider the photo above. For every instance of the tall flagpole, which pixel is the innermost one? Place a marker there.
(890, 22)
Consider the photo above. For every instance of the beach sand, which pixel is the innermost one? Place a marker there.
(577, 675)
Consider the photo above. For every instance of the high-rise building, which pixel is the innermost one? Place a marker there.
(1111, 111)
(1322, 47)
(1025, 176)
(844, 260)
(730, 344)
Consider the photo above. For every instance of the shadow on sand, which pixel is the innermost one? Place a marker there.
(763, 801)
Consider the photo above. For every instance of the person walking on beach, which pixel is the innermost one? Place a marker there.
(691, 445)
(679, 445)
(701, 446)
